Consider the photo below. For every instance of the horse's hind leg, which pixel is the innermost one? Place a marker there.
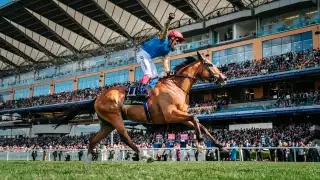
(105, 129)
(116, 120)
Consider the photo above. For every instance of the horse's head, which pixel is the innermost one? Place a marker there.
(210, 72)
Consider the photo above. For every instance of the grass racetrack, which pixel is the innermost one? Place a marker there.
(25, 170)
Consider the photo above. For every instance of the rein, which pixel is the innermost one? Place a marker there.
(192, 78)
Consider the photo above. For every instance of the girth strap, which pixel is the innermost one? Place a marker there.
(146, 110)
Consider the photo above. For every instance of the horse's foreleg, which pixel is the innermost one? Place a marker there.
(206, 133)
(178, 116)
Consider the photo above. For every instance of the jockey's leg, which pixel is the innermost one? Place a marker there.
(145, 66)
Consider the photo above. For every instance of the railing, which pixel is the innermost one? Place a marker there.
(190, 46)
(283, 103)
(290, 154)
(286, 26)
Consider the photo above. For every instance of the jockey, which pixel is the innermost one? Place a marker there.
(159, 46)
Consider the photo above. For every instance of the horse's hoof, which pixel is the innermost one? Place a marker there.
(200, 139)
(150, 160)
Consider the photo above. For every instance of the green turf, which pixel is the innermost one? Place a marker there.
(23, 170)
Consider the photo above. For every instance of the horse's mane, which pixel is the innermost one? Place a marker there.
(188, 61)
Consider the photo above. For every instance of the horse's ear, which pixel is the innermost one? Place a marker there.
(200, 56)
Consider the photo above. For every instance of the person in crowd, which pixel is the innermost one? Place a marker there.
(280, 152)
(34, 154)
(234, 152)
(272, 151)
(55, 155)
(259, 152)
(60, 155)
(80, 155)
(200, 148)
(68, 157)
(300, 151)
(246, 150)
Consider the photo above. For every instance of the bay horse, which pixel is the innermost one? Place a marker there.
(166, 105)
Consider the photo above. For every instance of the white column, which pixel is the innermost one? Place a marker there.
(234, 31)
(111, 140)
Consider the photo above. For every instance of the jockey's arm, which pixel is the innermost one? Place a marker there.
(163, 34)
(165, 63)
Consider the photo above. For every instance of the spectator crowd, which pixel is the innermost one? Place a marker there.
(285, 62)
(262, 140)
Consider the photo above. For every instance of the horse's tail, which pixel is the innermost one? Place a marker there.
(73, 111)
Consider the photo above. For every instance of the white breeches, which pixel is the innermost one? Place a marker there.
(147, 65)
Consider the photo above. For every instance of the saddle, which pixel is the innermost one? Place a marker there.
(137, 94)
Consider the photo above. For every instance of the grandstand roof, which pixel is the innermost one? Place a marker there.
(33, 33)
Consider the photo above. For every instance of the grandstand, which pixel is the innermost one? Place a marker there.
(55, 54)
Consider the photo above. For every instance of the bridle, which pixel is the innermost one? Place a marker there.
(203, 66)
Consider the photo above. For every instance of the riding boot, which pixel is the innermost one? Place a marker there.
(141, 90)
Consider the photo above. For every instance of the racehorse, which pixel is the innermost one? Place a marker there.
(167, 104)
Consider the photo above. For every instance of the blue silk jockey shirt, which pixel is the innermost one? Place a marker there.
(156, 47)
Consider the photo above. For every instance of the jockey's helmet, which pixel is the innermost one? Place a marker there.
(176, 34)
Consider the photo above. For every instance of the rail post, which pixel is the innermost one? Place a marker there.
(294, 153)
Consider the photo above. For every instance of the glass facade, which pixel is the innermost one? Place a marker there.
(41, 90)
(138, 73)
(4, 2)
(5, 96)
(289, 21)
(175, 62)
(232, 55)
(63, 86)
(116, 77)
(21, 93)
(295, 43)
(89, 82)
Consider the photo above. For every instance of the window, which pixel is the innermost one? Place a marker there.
(89, 82)
(64, 86)
(232, 55)
(297, 42)
(116, 77)
(286, 48)
(267, 52)
(41, 90)
(266, 44)
(276, 50)
(275, 42)
(5, 96)
(138, 73)
(307, 35)
(21, 93)
(296, 38)
(286, 40)
(175, 62)
(307, 44)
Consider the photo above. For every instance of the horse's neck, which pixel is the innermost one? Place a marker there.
(186, 78)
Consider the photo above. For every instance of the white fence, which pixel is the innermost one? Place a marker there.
(293, 154)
